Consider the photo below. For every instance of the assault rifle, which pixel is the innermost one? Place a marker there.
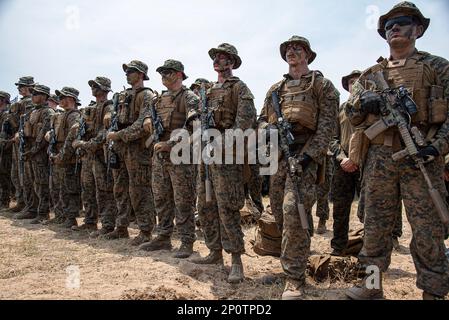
(294, 168)
(397, 111)
(80, 135)
(112, 157)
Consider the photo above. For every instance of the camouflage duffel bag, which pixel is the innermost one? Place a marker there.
(323, 267)
(268, 237)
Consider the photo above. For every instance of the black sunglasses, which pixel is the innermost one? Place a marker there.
(400, 21)
(131, 70)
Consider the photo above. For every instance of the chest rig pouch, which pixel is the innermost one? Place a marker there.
(429, 98)
(172, 111)
(61, 127)
(298, 103)
(223, 101)
(124, 107)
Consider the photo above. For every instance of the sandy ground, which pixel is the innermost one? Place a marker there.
(41, 262)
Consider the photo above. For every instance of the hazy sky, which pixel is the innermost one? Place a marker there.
(66, 43)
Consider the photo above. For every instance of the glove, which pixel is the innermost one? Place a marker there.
(306, 160)
(371, 102)
(428, 153)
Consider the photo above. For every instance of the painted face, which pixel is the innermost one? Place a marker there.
(401, 30)
(132, 76)
(295, 54)
(223, 62)
(169, 77)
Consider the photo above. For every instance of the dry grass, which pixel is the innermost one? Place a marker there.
(34, 262)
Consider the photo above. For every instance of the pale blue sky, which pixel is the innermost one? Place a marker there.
(69, 42)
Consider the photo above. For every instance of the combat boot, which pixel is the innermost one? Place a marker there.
(294, 290)
(431, 296)
(24, 215)
(118, 233)
(236, 274)
(214, 257)
(55, 220)
(158, 243)
(101, 232)
(361, 292)
(143, 237)
(39, 220)
(184, 251)
(69, 223)
(17, 208)
(89, 227)
(321, 227)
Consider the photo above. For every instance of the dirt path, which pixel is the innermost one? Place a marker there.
(40, 262)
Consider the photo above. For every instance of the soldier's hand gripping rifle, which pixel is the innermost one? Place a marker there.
(286, 139)
(207, 121)
(79, 136)
(396, 110)
(50, 152)
(112, 157)
(22, 120)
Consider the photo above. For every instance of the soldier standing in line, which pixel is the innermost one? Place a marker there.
(231, 103)
(386, 181)
(6, 152)
(132, 179)
(172, 184)
(309, 102)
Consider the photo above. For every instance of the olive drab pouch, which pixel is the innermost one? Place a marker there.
(268, 237)
(299, 106)
(358, 147)
(438, 105)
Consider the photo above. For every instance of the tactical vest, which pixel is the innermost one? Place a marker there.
(128, 111)
(429, 98)
(223, 100)
(298, 104)
(61, 128)
(172, 111)
(99, 116)
(35, 122)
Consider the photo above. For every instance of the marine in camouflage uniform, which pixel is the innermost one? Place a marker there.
(386, 181)
(172, 184)
(232, 105)
(36, 158)
(309, 102)
(132, 180)
(5, 152)
(24, 85)
(85, 165)
(94, 145)
(346, 177)
(64, 159)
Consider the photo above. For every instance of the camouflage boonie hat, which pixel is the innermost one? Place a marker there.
(406, 8)
(139, 66)
(345, 79)
(228, 49)
(5, 95)
(41, 89)
(54, 98)
(69, 92)
(102, 82)
(301, 40)
(26, 82)
(198, 82)
(173, 65)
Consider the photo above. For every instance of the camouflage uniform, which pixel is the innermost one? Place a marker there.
(386, 180)
(253, 186)
(6, 154)
(232, 102)
(322, 191)
(95, 146)
(16, 110)
(35, 129)
(132, 180)
(312, 133)
(65, 161)
(172, 184)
